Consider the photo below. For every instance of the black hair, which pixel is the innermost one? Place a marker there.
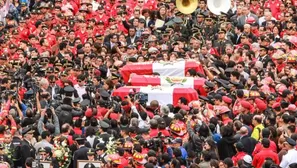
(183, 100)
(62, 45)
(45, 134)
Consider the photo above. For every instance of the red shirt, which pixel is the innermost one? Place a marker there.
(154, 132)
(237, 157)
(73, 79)
(280, 67)
(82, 35)
(259, 147)
(273, 5)
(254, 8)
(165, 132)
(260, 157)
(114, 116)
(77, 131)
(101, 111)
(24, 33)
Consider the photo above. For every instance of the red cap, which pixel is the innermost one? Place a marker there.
(89, 113)
(245, 104)
(227, 100)
(276, 105)
(281, 89)
(260, 104)
(292, 107)
(250, 20)
(257, 101)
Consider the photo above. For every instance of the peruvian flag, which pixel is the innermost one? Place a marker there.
(164, 95)
(167, 81)
(178, 68)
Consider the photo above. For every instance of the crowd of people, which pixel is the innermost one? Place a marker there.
(61, 61)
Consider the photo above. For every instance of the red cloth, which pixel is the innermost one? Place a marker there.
(259, 147)
(262, 155)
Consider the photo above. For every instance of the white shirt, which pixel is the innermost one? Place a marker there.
(262, 19)
(80, 90)
(245, 75)
(4, 11)
(289, 158)
(142, 123)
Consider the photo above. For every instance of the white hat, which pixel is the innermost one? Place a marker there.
(152, 50)
(248, 159)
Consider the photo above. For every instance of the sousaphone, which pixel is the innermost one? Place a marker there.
(186, 6)
(218, 7)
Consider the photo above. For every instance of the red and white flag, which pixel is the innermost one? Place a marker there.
(167, 81)
(164, 95)
(178, 68)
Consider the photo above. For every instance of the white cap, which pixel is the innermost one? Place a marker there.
(153, 50)
(248, 159)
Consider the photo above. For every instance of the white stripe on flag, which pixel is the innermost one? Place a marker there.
(170, 68)
(164, 95)
(177, 82)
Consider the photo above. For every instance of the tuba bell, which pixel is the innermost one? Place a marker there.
(219, 6)
(186, 6)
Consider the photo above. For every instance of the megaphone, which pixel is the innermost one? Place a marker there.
(219, 6)
(186, 6)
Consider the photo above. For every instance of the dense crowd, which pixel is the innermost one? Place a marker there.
(62, 65)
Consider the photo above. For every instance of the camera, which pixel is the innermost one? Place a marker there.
(142, 97)
(90, 88)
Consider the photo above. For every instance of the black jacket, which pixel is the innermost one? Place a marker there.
(27, 150)
(249, 144)
(226, 147)
(65, 113)
(80, 154)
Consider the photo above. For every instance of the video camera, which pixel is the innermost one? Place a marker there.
(113, 104)
(140, 96)
(90, 88)
(158, 142)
